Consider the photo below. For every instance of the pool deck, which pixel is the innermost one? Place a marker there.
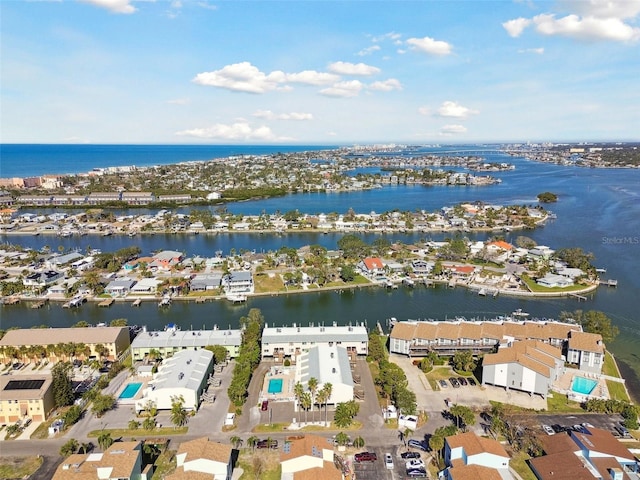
(563, 385)
(287, 374)
(131, 400)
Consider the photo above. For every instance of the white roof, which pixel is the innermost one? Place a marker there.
(186, 369)
(187, 338)
(327, 365)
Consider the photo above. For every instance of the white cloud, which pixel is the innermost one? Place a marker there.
(449, 130)
(393, 36)
(537, 51)
(386, 85)
(311, 77)
(114, 6)
(344, 89)
(208, 6)
(269, 115)
(605, 8)
(586, 28)
(346, 68)
(236, 131)
(179, 101)
(424, 110)
(455, 110)
(430, 46)
(516, 26)
(368, 50)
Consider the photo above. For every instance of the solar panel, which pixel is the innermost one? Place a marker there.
(24, 385)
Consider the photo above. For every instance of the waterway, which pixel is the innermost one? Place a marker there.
(598, 210)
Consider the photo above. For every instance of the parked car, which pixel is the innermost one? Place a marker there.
(365, 457)
(558, 428)
(412, 464)
(454, 382)
(577, 428)
(443, 384)
(408, 455)
(265, 406)
(417, 444)
(463, 381)
(472, 382)
(388, 461)
(622, 430)
(588, 425)
(548, 430)
(267, 444)
(417, 473)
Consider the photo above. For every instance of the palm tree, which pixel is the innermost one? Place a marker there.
(236, 441)
(179, 416)
(298, 390)
(85, 447)
(358, 442)
(252, 441)
(105, 440)
(312, 385)
(305, 403)
(321, 397)
(328, 390)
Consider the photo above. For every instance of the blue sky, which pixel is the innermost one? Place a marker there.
(337, 72)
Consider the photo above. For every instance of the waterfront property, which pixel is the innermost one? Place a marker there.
(586, 350)
(170, 341)
(528, 365)
(415, 338)
(25, 396)
(283, 342)
(185, 375)
(582, 385)
(111, 343)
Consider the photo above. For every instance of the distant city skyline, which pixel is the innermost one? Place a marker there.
(314, 72)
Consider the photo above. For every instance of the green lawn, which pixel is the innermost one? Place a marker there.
(19, 467)
(534, 287)
(138, 433)
(519, 463)
(617, 391)
(267, 462)
(609, 367)
(558, 403)
(165, 464)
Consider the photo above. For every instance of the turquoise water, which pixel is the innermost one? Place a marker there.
(583, 385)
(275, 385)
(130, 390)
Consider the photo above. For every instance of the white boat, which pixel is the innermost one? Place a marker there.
(519, 314)
(482, 292)
(165, 302)
(236, 297)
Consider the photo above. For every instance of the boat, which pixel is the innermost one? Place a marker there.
(136, 303)
(165, 302)
(519, 314)
(236, 297)
(482, 292)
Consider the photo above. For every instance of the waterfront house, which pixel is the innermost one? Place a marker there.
(203, 459)
(42, 279)
(37, 200)
(175, 198)
(137, 198)
(56, 261)
(372, 268)
(96, 198)
(121, 461)
(238, 283)
(422, 267)
(467, 455)
(586, 350)
(552, 280)
(119, 287)
(206, 282)
(528, 365)
(146, 286)
(25, 397)
(171, 341)
(166, 259)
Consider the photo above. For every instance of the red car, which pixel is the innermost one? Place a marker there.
(365, 457)
(265, 406)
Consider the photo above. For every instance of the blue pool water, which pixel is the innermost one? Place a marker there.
(130, 390)
(275, 385)
(583, 385)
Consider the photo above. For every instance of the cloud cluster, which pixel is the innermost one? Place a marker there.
(346, 68)
(269, 115)
(450, 130)
(114, 6)
(239, 131)
(450, 109)
(611, 20)
(430, 46)
(455, 110)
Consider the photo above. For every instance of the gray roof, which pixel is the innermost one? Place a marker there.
(186, 369)
(121, 283)
(327, 365)
(240, 276)
(63, 259)
(314, 334)
(207, 279)
(187, 338)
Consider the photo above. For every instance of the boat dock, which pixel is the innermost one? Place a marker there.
(39, 304)
(107, 303)
(609, 283)
(579, 297)
(11, 301)
(136, 303)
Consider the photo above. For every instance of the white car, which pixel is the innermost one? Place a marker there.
(388, 461)
(412, 464)
(548, 430)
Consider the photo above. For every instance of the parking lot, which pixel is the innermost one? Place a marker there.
(377, 470)
(598, 420)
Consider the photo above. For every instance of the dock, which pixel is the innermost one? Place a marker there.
(11, 301)
(137, 302)
(200, 299)
(452, 284)
(107, 303)
(39, 304)
(579, 297)
(609, 283)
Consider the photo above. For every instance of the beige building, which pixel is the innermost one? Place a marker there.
(121, 461)
(25, 396)
(203, 459)
(308, 457)
(586, 350)
(114, 339)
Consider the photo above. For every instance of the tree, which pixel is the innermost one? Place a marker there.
(345, 413)
(305, 403)
(298, 390)
(220, 353)
(342, 438)
(312, 384)
(464, 416)
(347, 273)
(179, 416)
(463, 361)
(105, 440)
(134, 425)
(68, 448)
(436, 444)
(118, 322)
(358, 442)
(72, 415)
(149, 423)
(102, 404)
(85, 447)
(353, 246)
(236, 441)
(252, 441)
(547, 197)
(61, 384)
(593, 321)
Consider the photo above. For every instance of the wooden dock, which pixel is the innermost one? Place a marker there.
(106, 303)
(200, 299)
(11, 301)
(39, 304)
(579, 297)
(609, 283)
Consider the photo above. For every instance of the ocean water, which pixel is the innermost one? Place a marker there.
(26, 160)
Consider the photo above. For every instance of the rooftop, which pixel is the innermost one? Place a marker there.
(186, 338)
(52, 336)
(185, 369)
(314, 334)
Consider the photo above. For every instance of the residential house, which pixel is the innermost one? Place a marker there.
(552, 280)
(203, 459)
(42, 279)
(206, 282)
(308, 456)
(586, 350)
(175, 198)
(121, 461)
(119, 287)
(465, 452)
(138, 198)
(291, 341)
(422, 267)
(372, 268)
(96, 198)
(170, 341)
(327, 364)
(166, 259)
(238, 283)
(146, 286)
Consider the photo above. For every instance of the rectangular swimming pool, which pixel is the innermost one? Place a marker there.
(583, 385)
(130, 390)
(275, 385)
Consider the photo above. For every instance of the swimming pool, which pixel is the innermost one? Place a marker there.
(130, 390)
(275, 385)
(583, 385)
